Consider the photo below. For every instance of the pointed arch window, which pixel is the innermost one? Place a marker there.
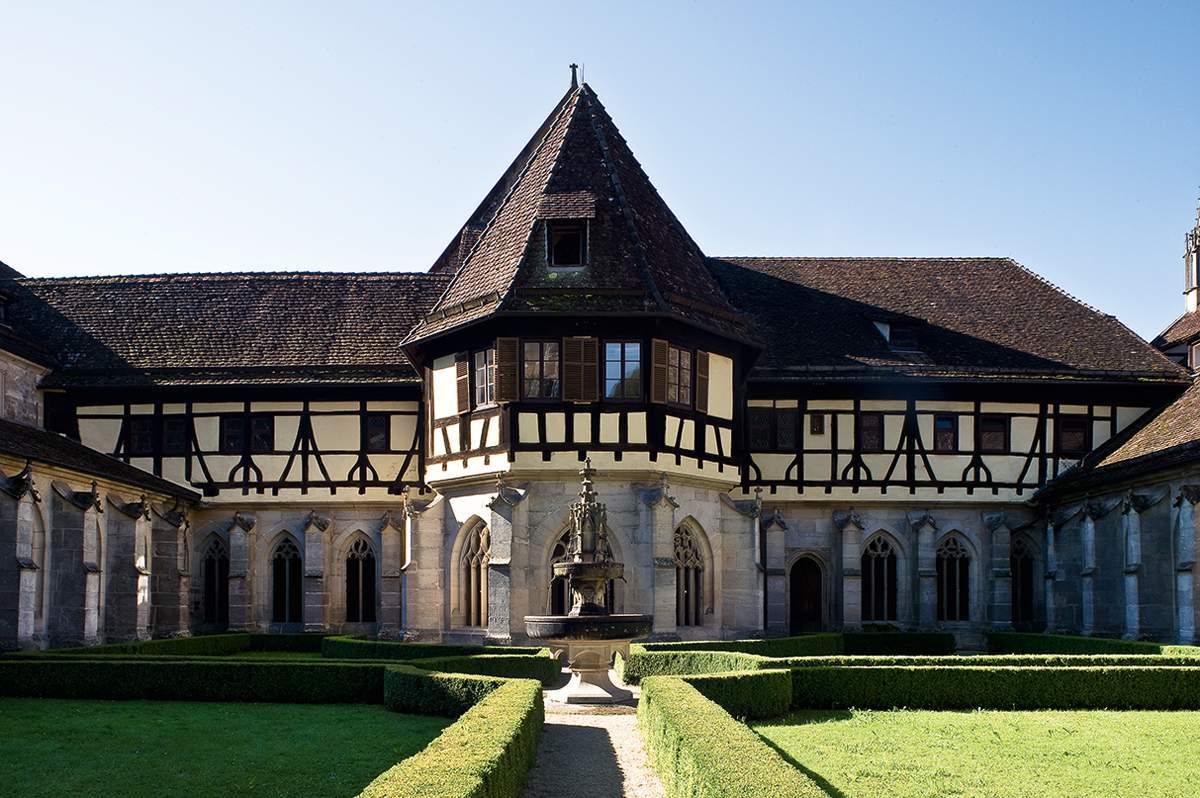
(360, 583)
(953, 581)
(215, 567)
(287, 605)
(879, 581)
(1021, 565)
(473, 576)
(689, 579)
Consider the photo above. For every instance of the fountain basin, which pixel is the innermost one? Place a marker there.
(588, 643)
(588, 627)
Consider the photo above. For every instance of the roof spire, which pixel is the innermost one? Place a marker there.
(574, 77)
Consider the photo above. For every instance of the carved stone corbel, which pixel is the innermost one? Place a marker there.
(845, 518)
(659, 494)
(137, 509)
(176, 515)
(920, 518)
(1188, 493)
(774, 520)
(243, 521)
(319, 521)
(83, 500)
(1141, 502)
(748, 508)
(507, 495)
(994, 521)
(20, 483)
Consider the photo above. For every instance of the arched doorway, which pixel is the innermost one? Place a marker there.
(215, 570)
(806, 613)
(1021, 565)
(287, 589)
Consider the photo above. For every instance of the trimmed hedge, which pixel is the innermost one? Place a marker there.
(643, 664)
(345, 647)
(298, 643)
(1128, 687)
(542, 666)
(998, 660)
(799, 646)
(200, 645)
(487, 753)
(197, 680)
(914, 643)
(747, 694)
(417, 692)
(700, 751)
(1033, 643)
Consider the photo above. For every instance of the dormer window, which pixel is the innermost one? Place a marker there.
(567, 244)
(903, 336)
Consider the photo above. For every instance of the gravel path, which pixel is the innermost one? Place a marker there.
(592, 752)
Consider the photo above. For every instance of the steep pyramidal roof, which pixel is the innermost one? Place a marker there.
(640, 258)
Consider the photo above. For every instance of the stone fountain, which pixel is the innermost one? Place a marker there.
(589, 634)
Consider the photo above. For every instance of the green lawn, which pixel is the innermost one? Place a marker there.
(909, 754)
(51, 747)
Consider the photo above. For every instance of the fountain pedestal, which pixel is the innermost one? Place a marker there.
(589, 634)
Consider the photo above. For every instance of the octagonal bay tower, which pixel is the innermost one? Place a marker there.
(581, 322)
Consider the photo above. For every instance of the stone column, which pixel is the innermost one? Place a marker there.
(241, 587)
(129, 568)
(1185, 565)
(775, 581)
(10, 574)
(30, 560)
(926, 531)
(73, 580)
(316, 536)
(423, 604)
(1001, 570)
(656, 513)
(169, 591)
(850, 526)
(509, 523)
(394, 552)
(1087, 571)
(1051, 574)
(18, 562)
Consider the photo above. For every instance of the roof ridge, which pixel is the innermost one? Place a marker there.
(905, 258)
(233, 275)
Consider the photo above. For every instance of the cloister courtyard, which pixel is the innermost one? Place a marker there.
(855, 714)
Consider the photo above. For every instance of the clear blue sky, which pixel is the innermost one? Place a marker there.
(162, 137)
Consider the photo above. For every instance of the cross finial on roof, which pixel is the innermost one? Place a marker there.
(574, 77)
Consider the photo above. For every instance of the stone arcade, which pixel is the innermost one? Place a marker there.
(783, 444)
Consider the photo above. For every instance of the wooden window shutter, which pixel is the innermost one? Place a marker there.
(702, 381)
(580, 369)
(658, 371)
(589, 389)
(508, 369)
(462, 377)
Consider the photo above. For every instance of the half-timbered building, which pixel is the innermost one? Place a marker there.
(783, 444)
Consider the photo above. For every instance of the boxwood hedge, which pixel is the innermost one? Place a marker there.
(968, 687)
(700, 751)
(1031, 643)
(540, 666)
(641, 664)
(200, 645)
(486, 753)
(925, 643)
(345, 647)
(307, 682)
(747, 694)
(1008, 660)
(799, 646)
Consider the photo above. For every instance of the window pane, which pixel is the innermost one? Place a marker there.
(612, 371)
(612, 352)
(760, 428)
(262, 434)
(174, 435)
(232, 434)
(785, 428)
(550, 353)
(532, 352)
(633, 351)
(612, 389)
(633, 388)
(377, 433)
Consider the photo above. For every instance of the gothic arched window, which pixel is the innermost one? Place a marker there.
(953, 581)
(1021, 565)
(215, 569)
(879, 581)
(360, 583)
(689, 579)
(473, 562)
(287, 590)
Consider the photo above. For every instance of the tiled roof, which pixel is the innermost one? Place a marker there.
(280, 327)
(1181, 330)
(39, 445)
(974, 318)
(1159, 440)
(581, 167)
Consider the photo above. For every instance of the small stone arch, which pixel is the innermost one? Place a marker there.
(694, 582)
(956, 561)
(1024, 560)
(882, 559)
(213, 560)
(286, 558)
(807, 592)
(468, 564)
(358, 566)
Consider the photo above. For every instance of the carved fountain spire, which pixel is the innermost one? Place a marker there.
(589, 522)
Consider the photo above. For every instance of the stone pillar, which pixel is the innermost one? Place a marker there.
(926, 532)
(850, 526)
(1001, 571)
(394, 551)
(10, 574)
(316, 536)
(73, 579)
(656, 513)
(19, 564)
(31, 560)
(169, 591)
(775, 581)
(1051, 574)
(1185, 565)
(423, 604)
(1087, 571)
(130, 564)
(241, 586)
(508, 522)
